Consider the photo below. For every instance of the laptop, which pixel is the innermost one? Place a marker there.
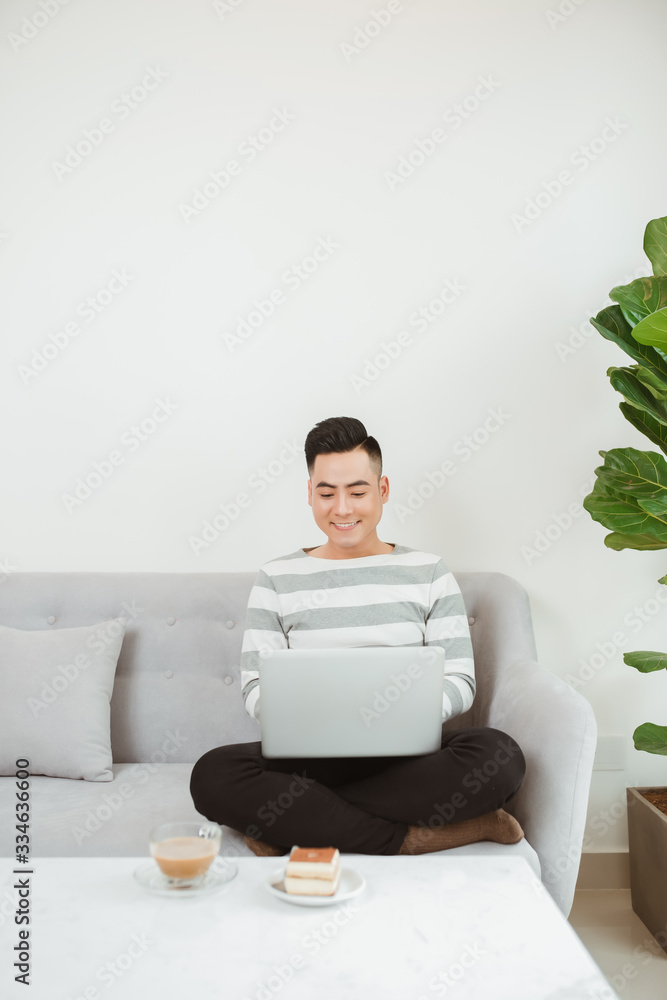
(371, 701)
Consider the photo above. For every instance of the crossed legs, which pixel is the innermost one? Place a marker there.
(366, 805)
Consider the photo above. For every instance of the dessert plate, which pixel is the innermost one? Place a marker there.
(351, 883)
(220, 873)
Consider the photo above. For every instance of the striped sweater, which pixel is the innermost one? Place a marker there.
(400, 598)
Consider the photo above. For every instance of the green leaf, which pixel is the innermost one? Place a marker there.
(640, 474)
(645, 660)
(656, 383)
(617, 541)
(655, 244)
(625, 381)
(628, 479)
(663, 579)
(657, 506)
(624, 515)
(651, 738)
(654, 429)
(652, 330)
(612, 324)
(641, 297)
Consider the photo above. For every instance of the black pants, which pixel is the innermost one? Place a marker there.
(362, 805)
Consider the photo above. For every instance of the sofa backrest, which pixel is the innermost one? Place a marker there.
(177, 691)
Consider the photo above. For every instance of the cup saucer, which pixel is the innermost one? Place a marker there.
(221, 871)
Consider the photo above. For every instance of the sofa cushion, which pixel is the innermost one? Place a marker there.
(177, 690)
(83, 818)
(75, 818)
(55, 695)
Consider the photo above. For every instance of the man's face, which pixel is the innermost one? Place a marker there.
(343, 489)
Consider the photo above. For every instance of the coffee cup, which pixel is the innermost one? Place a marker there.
(184, 851)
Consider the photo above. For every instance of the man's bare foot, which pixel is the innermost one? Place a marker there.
(262, 849)
(497, 825)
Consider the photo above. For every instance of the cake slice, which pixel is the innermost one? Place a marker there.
(313, 871)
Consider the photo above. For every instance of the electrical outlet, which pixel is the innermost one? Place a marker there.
(610, 754)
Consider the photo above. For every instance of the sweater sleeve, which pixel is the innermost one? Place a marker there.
(447, 626)
(263, 630)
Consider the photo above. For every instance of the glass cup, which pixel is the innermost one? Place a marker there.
(184, 851)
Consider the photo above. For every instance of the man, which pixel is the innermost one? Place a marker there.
(355, 590)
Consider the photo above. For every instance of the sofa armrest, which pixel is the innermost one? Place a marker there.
(556, 729)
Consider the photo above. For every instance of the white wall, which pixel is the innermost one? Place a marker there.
(220, 70)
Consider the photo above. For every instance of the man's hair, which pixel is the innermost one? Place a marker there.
(340, 434)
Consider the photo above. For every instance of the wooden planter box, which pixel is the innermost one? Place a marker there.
(647, 836)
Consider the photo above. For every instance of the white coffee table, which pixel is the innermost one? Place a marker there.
(472, 928)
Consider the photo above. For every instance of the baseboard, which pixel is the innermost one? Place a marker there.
(604, 870)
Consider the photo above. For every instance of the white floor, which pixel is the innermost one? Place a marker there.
(626, 952)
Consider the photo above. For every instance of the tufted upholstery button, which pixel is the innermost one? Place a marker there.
(51, 620)
(229, 679)
(230, 624)
(171, 620)
(471, 621)
(169, 674)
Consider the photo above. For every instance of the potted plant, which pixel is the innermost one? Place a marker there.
(630, 498)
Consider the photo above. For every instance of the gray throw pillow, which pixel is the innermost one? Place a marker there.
(55, 694)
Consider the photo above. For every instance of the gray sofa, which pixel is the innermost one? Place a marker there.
(177, 694)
